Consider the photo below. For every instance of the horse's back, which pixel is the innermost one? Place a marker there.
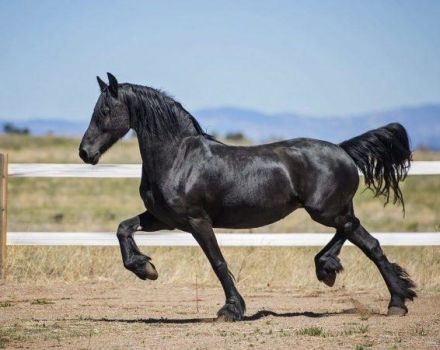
(305, 163)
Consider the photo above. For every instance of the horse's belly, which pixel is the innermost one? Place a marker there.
(252, 216)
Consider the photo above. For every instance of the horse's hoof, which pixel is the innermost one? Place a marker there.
(330, 279)
(327, 268)
(228, 316)
(230, 312)
(150, 271)
(225, 318)
(145, 270)
(397, 311)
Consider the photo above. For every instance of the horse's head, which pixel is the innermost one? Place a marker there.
(110, 122)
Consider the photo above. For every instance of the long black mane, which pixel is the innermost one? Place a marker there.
(157, 114)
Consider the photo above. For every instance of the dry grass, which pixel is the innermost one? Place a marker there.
(252, 267)
(99, 205)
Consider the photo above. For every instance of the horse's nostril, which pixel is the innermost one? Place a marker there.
(83, 154)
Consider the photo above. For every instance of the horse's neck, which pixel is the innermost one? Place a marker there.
(183, 126)
(159, 153)
(158, 147)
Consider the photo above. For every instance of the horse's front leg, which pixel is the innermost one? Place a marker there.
(132, 257)
(234, 307)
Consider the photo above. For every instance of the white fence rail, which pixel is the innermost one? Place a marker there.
(134, 170)
(184, 239)
(224, 239)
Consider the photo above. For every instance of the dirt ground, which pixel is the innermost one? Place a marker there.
(139, 315)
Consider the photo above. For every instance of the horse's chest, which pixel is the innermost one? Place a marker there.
(152, 197)
(149, 195)
(156, 203)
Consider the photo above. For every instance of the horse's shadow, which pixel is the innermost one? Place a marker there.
(257, 316)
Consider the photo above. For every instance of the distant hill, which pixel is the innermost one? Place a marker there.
(422, 123)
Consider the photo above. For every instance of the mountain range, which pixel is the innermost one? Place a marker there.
(422, 123)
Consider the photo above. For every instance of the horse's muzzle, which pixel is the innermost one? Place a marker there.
(89, 157)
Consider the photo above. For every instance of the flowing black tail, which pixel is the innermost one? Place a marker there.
(383, 155)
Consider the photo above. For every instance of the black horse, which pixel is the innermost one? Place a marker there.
(192, 182)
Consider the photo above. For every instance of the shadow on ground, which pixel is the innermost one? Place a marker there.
(257, 316)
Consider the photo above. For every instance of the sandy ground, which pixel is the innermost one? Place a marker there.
(103, 314)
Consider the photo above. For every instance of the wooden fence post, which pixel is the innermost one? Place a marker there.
(3, 211)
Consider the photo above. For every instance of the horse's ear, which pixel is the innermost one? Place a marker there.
(113, 85)
(102, 85)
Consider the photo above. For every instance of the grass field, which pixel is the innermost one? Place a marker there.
(100, 204)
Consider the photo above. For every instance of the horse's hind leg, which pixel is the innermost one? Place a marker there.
(132, 257)
(327, 262)
(397, 280)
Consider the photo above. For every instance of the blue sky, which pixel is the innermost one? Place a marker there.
(314, 57)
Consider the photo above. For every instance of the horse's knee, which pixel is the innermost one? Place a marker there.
(220, 266)
(125, 229)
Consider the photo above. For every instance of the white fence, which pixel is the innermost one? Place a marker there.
(183, 239)
(178, 239)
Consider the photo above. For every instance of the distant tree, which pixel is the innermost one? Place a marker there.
(423, 148)
(10, 128)
(235, 136)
